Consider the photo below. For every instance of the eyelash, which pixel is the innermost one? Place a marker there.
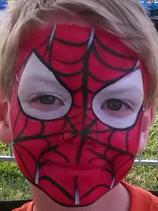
(38, 98)
(113, 100)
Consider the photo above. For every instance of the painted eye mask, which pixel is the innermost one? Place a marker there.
(76, 112)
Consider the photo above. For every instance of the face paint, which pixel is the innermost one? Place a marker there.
(76, 112)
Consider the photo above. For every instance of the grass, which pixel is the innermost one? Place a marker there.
(147, 176)
(144, 176)
(14, 186)
(12, 183)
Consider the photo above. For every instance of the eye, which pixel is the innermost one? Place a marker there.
(40, 93)
(115, 105)
(46, 102)
(47, 106)
(42, 103)
(118, 104)
(46, 99)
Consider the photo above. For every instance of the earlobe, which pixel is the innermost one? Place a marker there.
(5, 132)
(147, 120)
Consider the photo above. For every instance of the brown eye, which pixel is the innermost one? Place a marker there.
(112, 104)
(47, 99)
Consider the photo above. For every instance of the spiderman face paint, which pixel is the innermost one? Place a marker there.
(76, 112)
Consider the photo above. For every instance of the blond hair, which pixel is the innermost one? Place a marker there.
(125, 18)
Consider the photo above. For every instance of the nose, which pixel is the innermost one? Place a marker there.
(85, 130)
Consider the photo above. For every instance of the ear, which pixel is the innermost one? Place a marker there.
(147, 120)
(5, 132)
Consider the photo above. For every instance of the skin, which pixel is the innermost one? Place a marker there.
(118, 197)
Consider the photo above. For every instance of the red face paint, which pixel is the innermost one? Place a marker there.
(75, 113)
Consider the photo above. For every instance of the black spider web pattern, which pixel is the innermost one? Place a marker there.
(87, 130)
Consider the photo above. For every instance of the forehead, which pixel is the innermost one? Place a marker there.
(64, 48)
(36, 36)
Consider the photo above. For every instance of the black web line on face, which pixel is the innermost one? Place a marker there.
(24, 163)
(109, 82)
(129, 156)
(73, 128)
(107, 145)
(39, 136)
(85, 75)
(90, 191)
(20, 134)
(52, 69)
(20, 137)
(127, 140)
(54, 38)
(101, 81)
(98, 155)
(70, 43)
(112, 51)
(67, 62)
(105, 167)
(86, 130)
(111, 161)
(46, 44)
(66, 74)
(122, 152)
(52, 149)
(111, 66)
(62, 189)
(49, 148)
(71, 118)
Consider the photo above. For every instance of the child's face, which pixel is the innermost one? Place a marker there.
(76, 112)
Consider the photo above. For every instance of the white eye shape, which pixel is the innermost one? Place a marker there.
(40, 94)
(118, 104)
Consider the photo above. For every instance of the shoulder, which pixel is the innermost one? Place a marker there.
(141, 199)
(26, 207)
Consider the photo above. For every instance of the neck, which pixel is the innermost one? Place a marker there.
(116, 198)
